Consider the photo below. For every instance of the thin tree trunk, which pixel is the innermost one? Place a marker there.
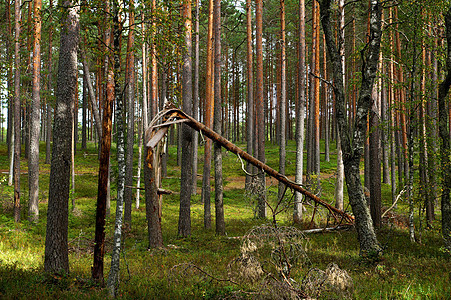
(113, 276)
(17, 110)
(140, 146)
(35, 119)
(219, 195)
(10, 98)
(260, 108)
(250, 93)
(316, 116)
(83, 118)
(48, 137)
(92, 97)
(209, 108)
(144, 115)
(130, 100)
(300, 112)
(326, 106)
(196, 97)
(56, 245)
(283, 98)
(339, 182)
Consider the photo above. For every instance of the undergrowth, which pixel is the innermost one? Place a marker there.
(405, 271)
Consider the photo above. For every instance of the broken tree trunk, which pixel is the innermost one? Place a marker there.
(170, 115)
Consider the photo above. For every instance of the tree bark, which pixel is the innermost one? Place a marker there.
(353, 147)
(56, 248)
(283, 98)
(130, 100)
(17, 111)
(35, 119)
(209, 108)
(196, 97)
(250, 93)
(375, 170)
(184, 226)
(260, 114)
(102, 189)
(339, 182)
(219, 195)
(113, 276)
(48, 136)
(300, 112)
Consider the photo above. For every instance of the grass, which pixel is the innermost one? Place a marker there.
(406, 271)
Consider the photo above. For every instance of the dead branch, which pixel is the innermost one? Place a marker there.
(170, 113)
(396, 201)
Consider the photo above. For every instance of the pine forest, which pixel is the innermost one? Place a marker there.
(234, 149)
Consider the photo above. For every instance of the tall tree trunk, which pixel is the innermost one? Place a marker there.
(184, 226)
(154, 71)
(219, 195)
(392, 113)
(17, 110)
(56, 248)
(283, 98)
(445, 139)
(130, 100)
(402, 101)
(102, 189)
(300, 111)
(35, 119)
(196, 97)
(113, 277)
(259, 108)
(339, 182)
(48, 136)
(316, 116)
(9, 66)
(151, 166)
(250, 93)
(209, 108)
(353, 148)
(144, 114)
(326, 106)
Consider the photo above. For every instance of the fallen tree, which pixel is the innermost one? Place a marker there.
(172, 115)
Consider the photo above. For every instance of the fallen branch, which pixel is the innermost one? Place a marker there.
(396, 201)
(170, 113)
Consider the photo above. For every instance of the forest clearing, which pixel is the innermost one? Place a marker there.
(225, 149)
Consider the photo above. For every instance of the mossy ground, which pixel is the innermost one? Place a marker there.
(406, 271)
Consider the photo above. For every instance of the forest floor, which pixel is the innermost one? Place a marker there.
(204, 266)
